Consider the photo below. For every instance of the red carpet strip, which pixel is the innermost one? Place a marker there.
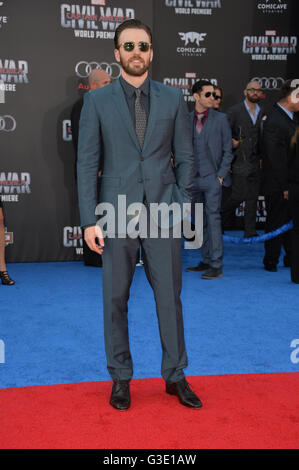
(256, 411)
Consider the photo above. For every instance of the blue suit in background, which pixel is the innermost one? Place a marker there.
(212, 159)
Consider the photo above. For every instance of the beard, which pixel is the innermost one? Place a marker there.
(135, 70)
(253, 99)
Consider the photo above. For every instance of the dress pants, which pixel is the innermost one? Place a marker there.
(294, 209)
(162, 262)
(278, 214)
(208, 191)
(244, 188)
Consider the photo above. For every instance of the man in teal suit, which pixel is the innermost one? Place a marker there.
(138, 132)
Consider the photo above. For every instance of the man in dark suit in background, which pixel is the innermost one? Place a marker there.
(245, 120)
(212, 144)
(142, 125)
(96, 79)
(293, 171)
(279, 128)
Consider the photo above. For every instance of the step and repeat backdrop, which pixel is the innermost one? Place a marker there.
(47, 50)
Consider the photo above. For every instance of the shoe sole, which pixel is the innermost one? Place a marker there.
(182, 403)
(195, 270)
(209, 277)
(120, 409)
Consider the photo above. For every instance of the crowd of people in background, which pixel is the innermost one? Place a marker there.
(265, 162)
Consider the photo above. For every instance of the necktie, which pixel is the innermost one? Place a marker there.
(140, 119)
(199, 124)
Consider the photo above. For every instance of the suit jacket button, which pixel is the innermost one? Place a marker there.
(140, 180)
(142, 158)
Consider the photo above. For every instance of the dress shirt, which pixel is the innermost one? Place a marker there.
(205, 116)
(289, 113)
(257, 110)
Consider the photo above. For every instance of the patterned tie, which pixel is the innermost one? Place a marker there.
(199, 124)
(140, 118)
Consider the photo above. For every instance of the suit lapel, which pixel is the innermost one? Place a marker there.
(192, 123)
(285, 116)
(153, 114)
(122, 108)
(208, 126)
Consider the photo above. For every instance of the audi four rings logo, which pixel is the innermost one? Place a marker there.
(270, 83)
(7, 123)
(83, 69)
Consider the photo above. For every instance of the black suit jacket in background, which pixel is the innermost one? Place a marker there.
(75, 118)
(279, 128)
(248, 155)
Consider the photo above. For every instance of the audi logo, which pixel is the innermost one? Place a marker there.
(270, 83)
(7, 123)
(83, 69)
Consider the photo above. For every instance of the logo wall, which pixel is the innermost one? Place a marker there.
(272, 6)
(72, 238)
(83, 68)
(192, 44)
(269, 83)
(8, 237)
(186, 83)
(261, 212)
(12, 73)
(3, 19)
(270, 46)
(13, 184)
(7, 123)
(93, 22)
(66, 130)
(193, 7)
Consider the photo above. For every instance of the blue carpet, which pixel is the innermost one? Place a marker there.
(51, 321)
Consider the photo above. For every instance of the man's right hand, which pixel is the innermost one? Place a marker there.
(91, 234)
(235, 143)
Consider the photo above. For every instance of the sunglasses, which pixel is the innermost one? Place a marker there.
(212, 93)
(130, 46)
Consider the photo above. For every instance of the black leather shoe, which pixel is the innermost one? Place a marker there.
(271, 267)
(120, 396)
(185, 395)
(212, 273)
(200, 267)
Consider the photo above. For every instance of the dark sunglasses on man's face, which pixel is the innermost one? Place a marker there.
(217, 97)
(211, 93)
(130, 46)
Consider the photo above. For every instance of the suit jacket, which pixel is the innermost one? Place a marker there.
(126, 168)
(278, 131)
(217, 137)
(293, 161)
(248, 155)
